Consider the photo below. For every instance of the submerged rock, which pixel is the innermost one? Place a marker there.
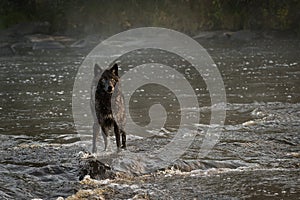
(140, 164)
(20, 47)
(243, 35)
(210, 35)
(37, 42)
(79, 44)
(39, 38)
(47, 45)
(5, 49)
(90, 40)
(95, 169)
(48, 38)
(44, 45)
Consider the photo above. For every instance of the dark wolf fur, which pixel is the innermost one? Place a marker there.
(108, 103)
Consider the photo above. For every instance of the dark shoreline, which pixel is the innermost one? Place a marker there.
(23, 38)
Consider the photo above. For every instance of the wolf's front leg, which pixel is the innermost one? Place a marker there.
(96, 129)
(105, 137)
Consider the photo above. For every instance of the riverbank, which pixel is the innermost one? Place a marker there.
(28, 37)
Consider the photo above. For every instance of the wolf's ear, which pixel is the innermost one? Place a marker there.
(97, 70)
(114, 70)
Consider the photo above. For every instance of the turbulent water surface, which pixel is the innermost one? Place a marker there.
(257, 154)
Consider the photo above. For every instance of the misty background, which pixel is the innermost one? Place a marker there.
(79, 17)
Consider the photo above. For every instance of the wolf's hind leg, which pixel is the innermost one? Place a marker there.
(96, 129)
(117, 134)
(123, 133)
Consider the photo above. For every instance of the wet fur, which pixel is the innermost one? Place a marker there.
(108, 102)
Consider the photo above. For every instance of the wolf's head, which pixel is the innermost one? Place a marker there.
(108, 79)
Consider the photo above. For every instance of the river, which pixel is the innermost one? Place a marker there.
(257, 155)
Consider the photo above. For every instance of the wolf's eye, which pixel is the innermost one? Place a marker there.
(112, 81)
(103, 81)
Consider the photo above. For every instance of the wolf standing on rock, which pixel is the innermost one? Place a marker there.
(107, 104)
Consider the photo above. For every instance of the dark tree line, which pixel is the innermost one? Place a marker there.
(190, 16)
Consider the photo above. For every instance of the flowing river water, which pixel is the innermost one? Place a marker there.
(257, 155)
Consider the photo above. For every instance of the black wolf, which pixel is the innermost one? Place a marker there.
(108, 103)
